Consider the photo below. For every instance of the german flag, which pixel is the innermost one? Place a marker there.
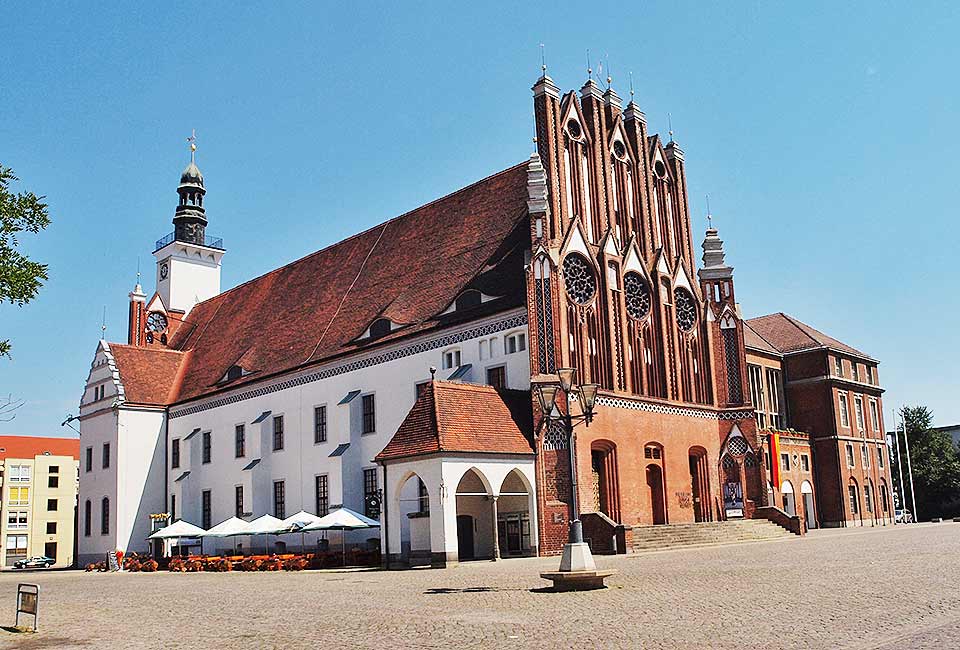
(775, 459)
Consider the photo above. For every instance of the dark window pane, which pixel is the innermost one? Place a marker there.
(369, 414)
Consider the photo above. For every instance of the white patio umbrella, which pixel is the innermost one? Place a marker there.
(343, 519)
(296, 523)
(178, 530)
(265, 525)
(232, 527)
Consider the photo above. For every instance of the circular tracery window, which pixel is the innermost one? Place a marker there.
(637, 295)
(686, 309)
(573, 128)
(578, 278)
(619, 150)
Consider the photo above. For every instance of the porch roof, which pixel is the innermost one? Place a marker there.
(466, 418)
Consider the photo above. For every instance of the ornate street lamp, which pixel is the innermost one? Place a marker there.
(576, 553)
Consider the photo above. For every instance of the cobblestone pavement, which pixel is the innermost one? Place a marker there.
(853, 589)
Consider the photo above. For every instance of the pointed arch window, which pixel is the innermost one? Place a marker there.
(686, 309)
(637, 295)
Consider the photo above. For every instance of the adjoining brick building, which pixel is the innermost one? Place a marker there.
(802, 378)
(344, 378)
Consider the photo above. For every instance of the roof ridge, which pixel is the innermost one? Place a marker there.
(382, 224)
(142, 347)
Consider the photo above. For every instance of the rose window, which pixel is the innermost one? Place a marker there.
(637, 294)
(579, 280)
(737, 446)
(686, 309)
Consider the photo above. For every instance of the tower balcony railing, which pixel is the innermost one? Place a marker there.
(208, 241)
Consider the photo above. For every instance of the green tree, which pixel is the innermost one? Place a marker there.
(20, 277)
(936, 464)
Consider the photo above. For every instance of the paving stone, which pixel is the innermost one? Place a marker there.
(853, 589)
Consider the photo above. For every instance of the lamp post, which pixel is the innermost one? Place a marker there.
(576, 554)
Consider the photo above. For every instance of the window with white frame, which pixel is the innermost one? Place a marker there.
(844, 412)
(785, 462)
(851, 460)
(875, 416)
(880, 456)
(869, 374)
(451, 359)
(858, 409)
(805, 462)
(19, 474)
(855, 370)
(755, 374)
(17, 520)
(865, 456)
(19, 496)
(838, 366)
(775, 398)
(516, 342)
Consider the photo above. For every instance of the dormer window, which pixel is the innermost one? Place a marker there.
(380, 327)
(233, 372)
(468, 300)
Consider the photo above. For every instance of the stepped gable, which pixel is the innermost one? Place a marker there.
(787, 334)
(150, 376)
(469, 418)
(407, 270)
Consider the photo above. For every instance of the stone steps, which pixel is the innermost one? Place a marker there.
(651, 538)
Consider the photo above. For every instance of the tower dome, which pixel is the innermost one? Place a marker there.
(190, 220)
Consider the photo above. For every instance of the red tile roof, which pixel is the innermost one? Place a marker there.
(787, 334)
(464, 418)
(30, 446)
(752, 339)
(408, 270)
(150, 376)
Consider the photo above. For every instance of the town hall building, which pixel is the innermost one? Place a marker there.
(366, 375)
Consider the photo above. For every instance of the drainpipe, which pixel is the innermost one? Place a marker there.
(385, 521)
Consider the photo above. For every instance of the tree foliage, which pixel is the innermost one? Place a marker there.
(20, 277)
(936, 464)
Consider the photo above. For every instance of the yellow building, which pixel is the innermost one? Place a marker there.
(39, 479)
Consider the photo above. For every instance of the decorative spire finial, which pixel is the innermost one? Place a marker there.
(589, 67)
(543, 62)
(193, 143)
(609, 76)
(103, 324)
(670, 126)
(631, 87)
(709, 216)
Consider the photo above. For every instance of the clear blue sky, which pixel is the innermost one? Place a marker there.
(825, 135)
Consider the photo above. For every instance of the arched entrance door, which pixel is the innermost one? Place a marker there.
(513, 516)
(475, 523)
(655, 485)
(606, 489)
(653, 455)
(699, 484)
(789, 500)
(808, 509)
(414, 511)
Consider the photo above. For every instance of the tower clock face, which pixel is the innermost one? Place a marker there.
(156, 322)
(164, 271)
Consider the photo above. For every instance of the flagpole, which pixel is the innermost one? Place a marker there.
(896, 442)
(913, 494)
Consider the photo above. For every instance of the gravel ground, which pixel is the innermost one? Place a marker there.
(873, 588)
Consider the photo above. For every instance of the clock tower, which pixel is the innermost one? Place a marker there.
(188, 260)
